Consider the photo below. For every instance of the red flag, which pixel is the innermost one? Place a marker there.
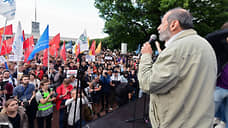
(29, 47)
(23, 34)
(7, 46)
(77, 50)
(8, 30)
(92, 48)
(63, 52)
(24, 43)
(54, 45)
(45, 57)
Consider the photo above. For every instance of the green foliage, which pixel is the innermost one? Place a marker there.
(133, 21)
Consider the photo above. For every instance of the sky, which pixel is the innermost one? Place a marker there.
(68, 17)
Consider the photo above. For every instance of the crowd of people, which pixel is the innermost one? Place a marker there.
(181, 82)
(32, 93)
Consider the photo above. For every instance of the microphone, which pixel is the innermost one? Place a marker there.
(152, 39)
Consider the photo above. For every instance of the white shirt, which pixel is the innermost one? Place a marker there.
(172, 39)
(71, 110)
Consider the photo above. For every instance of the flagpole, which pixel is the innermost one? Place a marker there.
(3, 34)
(48, 65)
(17, 68)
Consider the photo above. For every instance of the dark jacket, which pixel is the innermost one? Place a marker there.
(218, 41)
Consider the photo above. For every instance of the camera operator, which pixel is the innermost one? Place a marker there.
(25, 93)
(105, 81)
(44, 98)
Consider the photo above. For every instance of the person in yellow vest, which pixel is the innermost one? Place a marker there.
(44, 98)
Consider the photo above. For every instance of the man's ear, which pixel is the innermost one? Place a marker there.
(174, 25)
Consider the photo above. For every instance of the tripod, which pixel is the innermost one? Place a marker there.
(80, 75)
(145, 117)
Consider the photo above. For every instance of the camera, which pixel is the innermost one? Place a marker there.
(25, 104)
(53, 95)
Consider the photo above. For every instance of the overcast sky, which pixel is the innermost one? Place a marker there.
(67, 17)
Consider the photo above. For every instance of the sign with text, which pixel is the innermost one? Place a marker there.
(15, 58)
(72, 73)
(90, 58)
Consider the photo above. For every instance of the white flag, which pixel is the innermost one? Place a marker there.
(17, 46)
(8, 8)
(83, 41)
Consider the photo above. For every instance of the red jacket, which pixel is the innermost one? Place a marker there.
(40, 74)
(61, 90)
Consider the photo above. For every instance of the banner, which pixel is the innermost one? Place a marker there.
(2, 59)
(8, 8)
(83, 42)
(15, 58)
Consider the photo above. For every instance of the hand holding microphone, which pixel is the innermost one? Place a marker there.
(146, 49)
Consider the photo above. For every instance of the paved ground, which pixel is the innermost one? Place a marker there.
(117, 117)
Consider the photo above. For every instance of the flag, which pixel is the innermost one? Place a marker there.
(138, 50)
(45, 57)
(88, 41)
(63, 52)
(69, 45)
(29, 47)
(83, 41)
(77, 51)
(7, 46)
(8, 8)
(17, 46)
(74, 49)
(23, 34)
(42, 43)
(54, 45)
(98, 50)
(8, 30)
(92, 48)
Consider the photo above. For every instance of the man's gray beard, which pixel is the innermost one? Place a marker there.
(165, 35)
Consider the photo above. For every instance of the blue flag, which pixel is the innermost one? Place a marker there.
(41, 44)
(138, 50)
(69, 45)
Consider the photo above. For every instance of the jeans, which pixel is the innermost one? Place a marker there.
(40, 121)
(62, 116)
(221, 103)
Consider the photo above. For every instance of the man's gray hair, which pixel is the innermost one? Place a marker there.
(183, 16)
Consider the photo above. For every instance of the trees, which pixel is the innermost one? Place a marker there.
(133, 21)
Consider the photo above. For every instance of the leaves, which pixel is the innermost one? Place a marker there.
(133, 21)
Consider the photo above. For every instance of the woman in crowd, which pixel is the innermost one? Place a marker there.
(63, 94)
(33, 80)
(14, 115)
(39, 72)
